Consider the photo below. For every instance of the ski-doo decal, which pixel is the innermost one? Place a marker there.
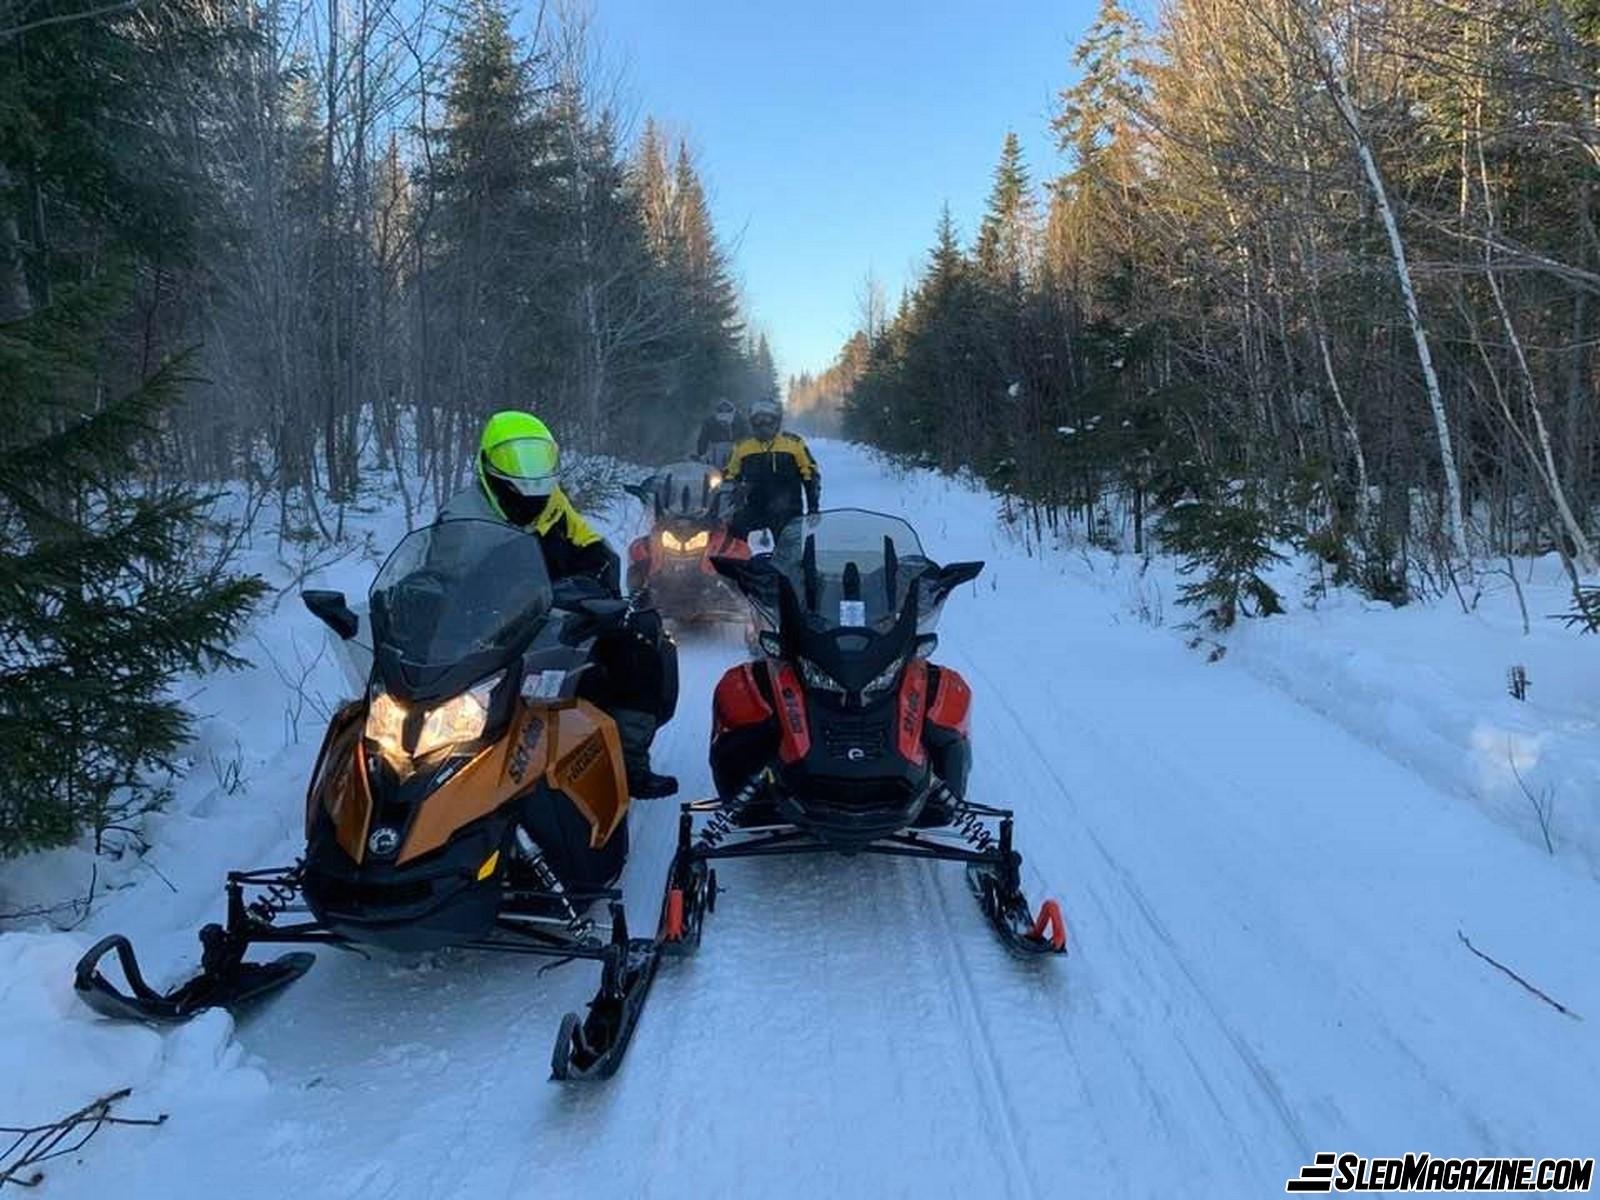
(952, 702)
(589, 753)
(913, 706)
(791, 697)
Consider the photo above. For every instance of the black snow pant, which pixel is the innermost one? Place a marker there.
(635, 680)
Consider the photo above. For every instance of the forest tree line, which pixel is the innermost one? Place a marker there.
(257, 246)
(1316, 273)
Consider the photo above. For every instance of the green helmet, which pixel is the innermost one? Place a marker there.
(518, 455)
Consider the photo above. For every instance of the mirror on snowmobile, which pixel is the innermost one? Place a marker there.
(332, 610)
(953, 575)
(926, 644)
(771, 643)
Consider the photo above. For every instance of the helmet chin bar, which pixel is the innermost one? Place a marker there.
(518, 508)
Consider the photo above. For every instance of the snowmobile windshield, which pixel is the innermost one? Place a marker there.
(454, 602)
(686, 490)
(849, 568)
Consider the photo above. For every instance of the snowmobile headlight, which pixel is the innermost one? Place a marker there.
(386, 722)
(886, 678)
(698, 541)
(460, 719)
(816, 677)
(670, 541)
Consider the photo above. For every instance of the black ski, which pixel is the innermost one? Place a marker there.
(592, 1046)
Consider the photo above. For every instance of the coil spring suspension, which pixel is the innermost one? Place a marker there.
(969, 824)
(721, 824)
(277, 895)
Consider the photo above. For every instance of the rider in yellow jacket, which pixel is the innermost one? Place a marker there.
(780, 477)
(518, 468)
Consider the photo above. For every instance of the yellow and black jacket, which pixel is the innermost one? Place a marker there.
(776, 474)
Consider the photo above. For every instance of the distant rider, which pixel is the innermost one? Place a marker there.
(720, 432)
(518, 482)
(780, 477)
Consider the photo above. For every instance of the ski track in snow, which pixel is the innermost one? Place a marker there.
(1262, 913)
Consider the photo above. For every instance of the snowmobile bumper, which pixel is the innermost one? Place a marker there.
(410, 910)
(687, 595)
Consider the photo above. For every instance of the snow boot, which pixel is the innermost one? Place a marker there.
(637, 730)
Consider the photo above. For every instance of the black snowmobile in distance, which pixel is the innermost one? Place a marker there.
(470, 798)
(845, 738)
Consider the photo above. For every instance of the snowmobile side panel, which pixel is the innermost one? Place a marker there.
(339, 785)
(588, 768)
(738, 701)
(793, 723)
(913, 706)
(951, 707)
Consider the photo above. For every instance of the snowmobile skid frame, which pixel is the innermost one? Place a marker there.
(539, 923)
(985, 846)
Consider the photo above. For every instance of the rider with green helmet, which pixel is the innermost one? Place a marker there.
(518, 471)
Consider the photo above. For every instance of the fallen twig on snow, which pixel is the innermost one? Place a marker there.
(1500, 966)
(40, 1143)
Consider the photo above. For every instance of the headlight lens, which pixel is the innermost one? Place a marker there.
(461, 719)
(816, 677)
(886, 678)
(386, 721)
(670, 541)
(698, 541)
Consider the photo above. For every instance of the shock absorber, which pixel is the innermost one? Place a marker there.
(722, 822)
(577, 925)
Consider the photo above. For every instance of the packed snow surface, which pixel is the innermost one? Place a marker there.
(1266, 864)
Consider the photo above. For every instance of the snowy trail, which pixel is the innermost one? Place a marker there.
(1264, 915)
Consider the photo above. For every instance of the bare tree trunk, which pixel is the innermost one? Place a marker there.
(1455, 517)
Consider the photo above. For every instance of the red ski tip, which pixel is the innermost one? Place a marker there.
(1050, 919)
(673, 932)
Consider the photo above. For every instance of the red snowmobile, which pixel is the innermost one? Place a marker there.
(690, 505)
(845, 738)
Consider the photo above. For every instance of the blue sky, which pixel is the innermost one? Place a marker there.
(830, 132)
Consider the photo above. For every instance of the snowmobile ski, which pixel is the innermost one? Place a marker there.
(1007, 911)
(591, 1047)
(218, 985)
(978, 836)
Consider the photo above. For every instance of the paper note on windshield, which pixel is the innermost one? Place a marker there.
(852, 612)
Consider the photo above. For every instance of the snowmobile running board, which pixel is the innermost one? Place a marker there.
(993, 869)
(590, 1048)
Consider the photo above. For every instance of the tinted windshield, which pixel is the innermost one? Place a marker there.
(850, 568)
(686, 489)
(456, 589)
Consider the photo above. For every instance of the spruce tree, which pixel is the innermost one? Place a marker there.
(103, 600)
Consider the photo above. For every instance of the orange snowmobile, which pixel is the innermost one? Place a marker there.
(472, 798)
(689, 504)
